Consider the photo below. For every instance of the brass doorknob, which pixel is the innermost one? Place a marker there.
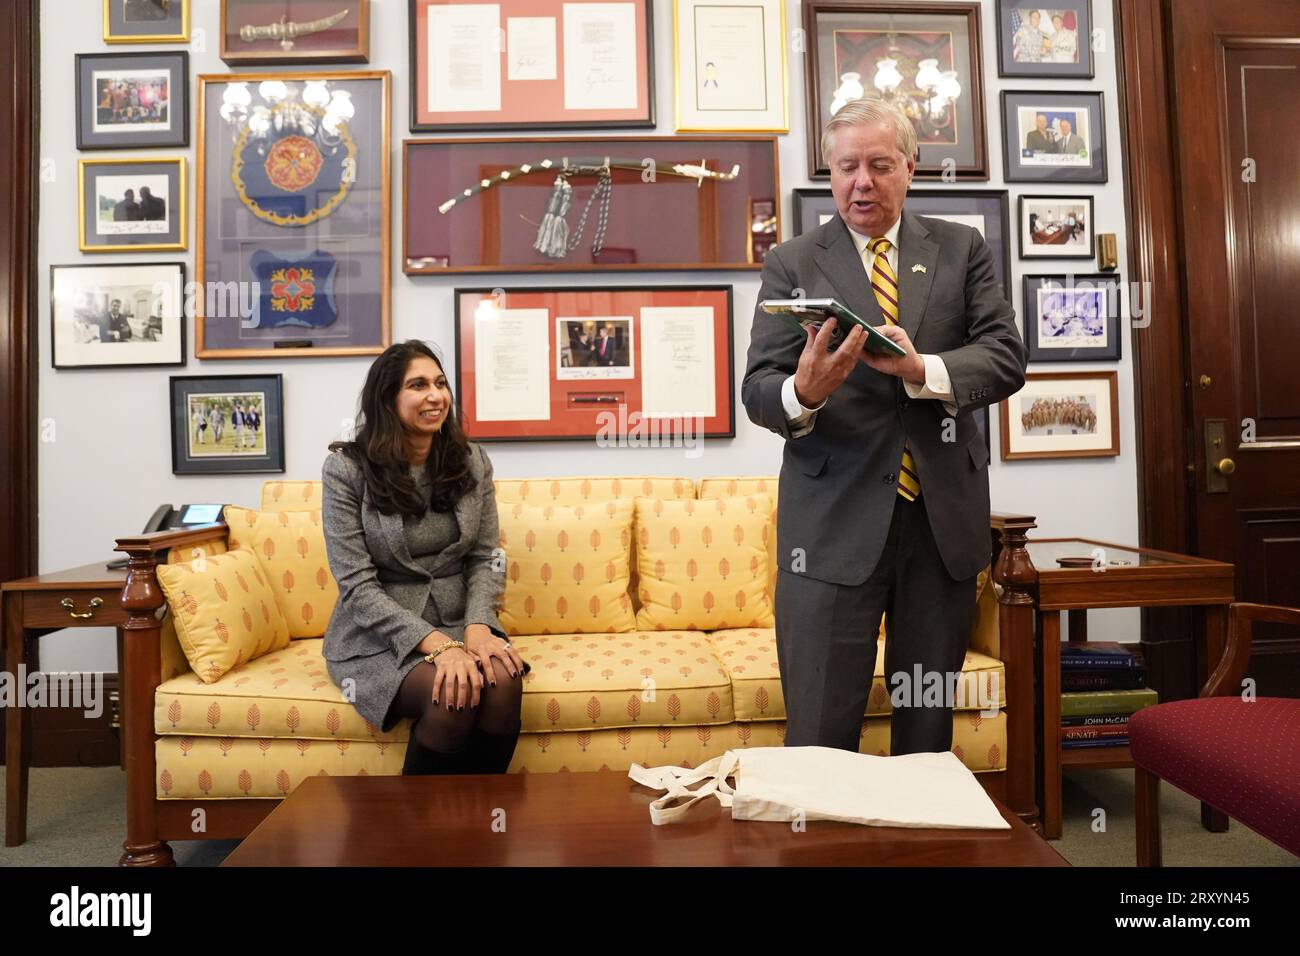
(1226, 466)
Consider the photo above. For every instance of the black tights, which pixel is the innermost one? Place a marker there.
(449, 731)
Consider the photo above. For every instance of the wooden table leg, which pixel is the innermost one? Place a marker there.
(1078, 624)
(1147, 806)
(18, 724)
(1051, 689)
(121, 710)
(1216, 642)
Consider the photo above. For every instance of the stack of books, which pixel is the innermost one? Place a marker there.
(1103, 683)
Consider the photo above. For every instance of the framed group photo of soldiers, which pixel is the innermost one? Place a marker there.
(118, 315)
(1062, 415)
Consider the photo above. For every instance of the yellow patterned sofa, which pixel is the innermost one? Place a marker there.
(645, 693)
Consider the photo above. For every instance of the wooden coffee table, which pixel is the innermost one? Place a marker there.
(583, 819)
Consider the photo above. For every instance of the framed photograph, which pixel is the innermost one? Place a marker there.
(630, 366)
(1056, 227)
(146, 21)
(984, 210)
(531, 64)
(1073, 318)
(923, 57)
(263, 32)
(227, 424)
(293, 228)
(133, 100)
(1052, 40)
(729, 66)
(571, 204)
(1053, 137)
(1062, 415)
(117, 316)
(131, 205)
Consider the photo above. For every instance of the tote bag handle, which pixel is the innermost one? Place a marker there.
(677, 780)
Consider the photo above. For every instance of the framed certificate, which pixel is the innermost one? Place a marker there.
(531, 64)
(576, 204)
(628, 366)
(730, 71)
(293, 200)
(925, 58)
(263, 32)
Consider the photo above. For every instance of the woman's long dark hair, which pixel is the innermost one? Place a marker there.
(380, 443)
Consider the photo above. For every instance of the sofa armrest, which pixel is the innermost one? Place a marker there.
(1227, 677)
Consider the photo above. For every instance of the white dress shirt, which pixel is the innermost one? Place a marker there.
(937, 384)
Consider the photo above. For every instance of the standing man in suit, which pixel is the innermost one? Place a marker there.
(1069, 142)
(884, 494)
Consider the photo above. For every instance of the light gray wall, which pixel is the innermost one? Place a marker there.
(106, 460)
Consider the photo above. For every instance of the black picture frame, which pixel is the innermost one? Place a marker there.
(140, 335)
(1037, 336)
(892, 20)
(810, 204)
(1081, 250)
(1034, 166)
(88, 115)
(185, 396)
(1009, 65)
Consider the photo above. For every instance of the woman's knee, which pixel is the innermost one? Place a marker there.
(505, 686)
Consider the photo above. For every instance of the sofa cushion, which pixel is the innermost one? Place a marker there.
(704, 564)
(235, 768)
(292, 495)
(567, 568)
(290, 547)
(749, 657)
(582, 681)
(225, 612)
(735, 487)
(285, 694)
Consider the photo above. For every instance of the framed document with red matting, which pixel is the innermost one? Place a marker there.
(627, 366)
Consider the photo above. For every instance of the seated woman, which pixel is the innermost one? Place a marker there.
(411, 533)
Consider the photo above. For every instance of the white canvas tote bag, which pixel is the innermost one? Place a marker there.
(781, 784)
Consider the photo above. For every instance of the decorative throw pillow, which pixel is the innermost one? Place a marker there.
(567, 568)
(224, 611)
(703, 564)
(290, 547)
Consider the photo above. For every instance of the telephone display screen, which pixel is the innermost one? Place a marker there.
(201, 514)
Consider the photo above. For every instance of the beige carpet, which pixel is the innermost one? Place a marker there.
(77, 817)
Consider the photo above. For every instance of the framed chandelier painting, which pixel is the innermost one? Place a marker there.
(293, 211)
(924, 58)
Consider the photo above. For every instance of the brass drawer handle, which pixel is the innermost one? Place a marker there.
(95, 604)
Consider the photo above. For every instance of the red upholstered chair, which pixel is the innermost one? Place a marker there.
(1241, 757)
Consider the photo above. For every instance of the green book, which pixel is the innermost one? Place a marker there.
(805, 312)
(1087, 703)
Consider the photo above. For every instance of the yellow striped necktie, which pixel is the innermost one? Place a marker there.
(885, 286)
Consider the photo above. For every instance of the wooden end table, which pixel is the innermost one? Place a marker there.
(88, 596)
(1124, 576)
(583, 819)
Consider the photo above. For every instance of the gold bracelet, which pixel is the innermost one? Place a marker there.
(440, 648)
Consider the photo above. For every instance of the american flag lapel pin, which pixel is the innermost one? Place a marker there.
(918, 268)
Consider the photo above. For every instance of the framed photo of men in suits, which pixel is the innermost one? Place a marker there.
(131, 205)
(227, 424)
(1053, 137)
(117, 316)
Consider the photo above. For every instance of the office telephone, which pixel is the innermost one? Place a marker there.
(167, 518)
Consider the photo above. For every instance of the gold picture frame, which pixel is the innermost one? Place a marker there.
(207, 181)
(182, 37)
(176, 201)
(685, 126)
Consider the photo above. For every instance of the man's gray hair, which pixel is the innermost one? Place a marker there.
(866, 112)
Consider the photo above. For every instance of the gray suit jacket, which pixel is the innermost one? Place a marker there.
(382, 591)
(839, 481)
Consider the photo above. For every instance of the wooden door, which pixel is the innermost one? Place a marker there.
(1236, 92)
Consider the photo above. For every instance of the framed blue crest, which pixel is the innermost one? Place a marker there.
(293, 200)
